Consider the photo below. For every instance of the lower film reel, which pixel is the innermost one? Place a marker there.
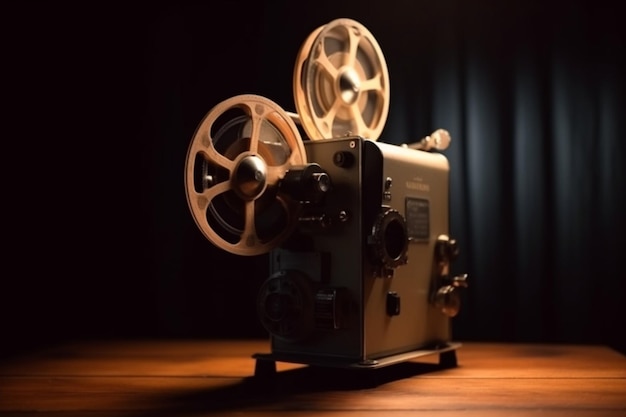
(238, 154)
(341, 82)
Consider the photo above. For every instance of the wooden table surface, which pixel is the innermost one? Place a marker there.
(216, 377)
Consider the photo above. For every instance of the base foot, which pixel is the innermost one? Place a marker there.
(447, 359)
(264, 368)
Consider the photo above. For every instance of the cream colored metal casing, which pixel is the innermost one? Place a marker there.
(417, 178)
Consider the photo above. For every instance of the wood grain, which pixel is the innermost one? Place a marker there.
(197, 378)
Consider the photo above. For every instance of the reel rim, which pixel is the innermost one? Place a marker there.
(260, 110)
(349, 86)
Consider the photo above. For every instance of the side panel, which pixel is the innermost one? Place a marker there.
(419, 191)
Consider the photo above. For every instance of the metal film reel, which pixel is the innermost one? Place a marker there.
(240, 151)
(341, 82)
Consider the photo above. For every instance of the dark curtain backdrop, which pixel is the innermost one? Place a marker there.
(105, 100)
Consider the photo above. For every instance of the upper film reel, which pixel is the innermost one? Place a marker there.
(240, 151)
(341, 82)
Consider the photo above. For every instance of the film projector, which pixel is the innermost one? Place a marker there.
(356, 230)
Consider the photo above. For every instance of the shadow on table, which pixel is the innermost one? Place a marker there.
(283, 390)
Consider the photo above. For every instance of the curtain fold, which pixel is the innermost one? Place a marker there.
(535, 105)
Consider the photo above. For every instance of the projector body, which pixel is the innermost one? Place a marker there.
(356, 284)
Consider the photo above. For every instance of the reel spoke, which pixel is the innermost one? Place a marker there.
(249, 237)
(200, 202)
(353, 46)
(357, 119)
(324, 62)
(372, 84)
(203, 144)
(255, 134)
(329, 117)
(213, 155)
(210, 193)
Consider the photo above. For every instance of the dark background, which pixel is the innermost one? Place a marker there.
(101, 101)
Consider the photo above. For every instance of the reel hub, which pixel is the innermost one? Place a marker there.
(250, 177)
(348, 85)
